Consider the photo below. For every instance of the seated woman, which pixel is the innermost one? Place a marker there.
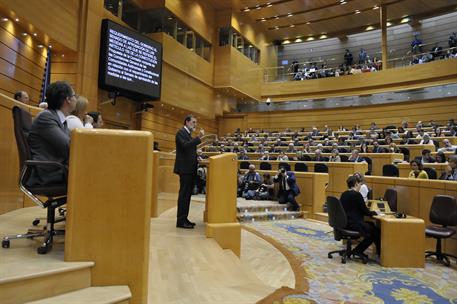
(355, 209)
(79, 118)
(335, 156)
(417, 170)
(363, 186)
(440, 157)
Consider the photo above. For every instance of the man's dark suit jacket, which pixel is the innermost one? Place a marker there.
(186, 153)
(49, 140)
(291, 181)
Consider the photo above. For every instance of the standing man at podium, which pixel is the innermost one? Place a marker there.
(186, 167)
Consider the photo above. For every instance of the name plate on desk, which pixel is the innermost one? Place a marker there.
(378, 205)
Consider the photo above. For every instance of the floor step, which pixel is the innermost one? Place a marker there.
(264, 208)
(270, 216)
(321, 216)
(91, 295)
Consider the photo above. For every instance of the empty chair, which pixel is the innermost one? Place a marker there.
(390, 196)
(301, 167)
(321, 168)
(405, 153)
(265, 166)
(443, 212)
(56, 194)
(390, 170)
(284, 165)
(431, 172)
(344, 158)
(337, 220)
(244, 165)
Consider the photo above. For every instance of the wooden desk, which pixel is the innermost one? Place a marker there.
(402, 241)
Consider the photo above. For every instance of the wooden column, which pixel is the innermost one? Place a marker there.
(383, 22)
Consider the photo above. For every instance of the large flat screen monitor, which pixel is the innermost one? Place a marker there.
(130, 63)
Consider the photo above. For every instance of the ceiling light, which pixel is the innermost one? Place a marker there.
(375, 7)
(276, 27)
(405, 20)
(263, 19)
(50, 46)
(17, 19)
(246, 9)
(276, 17)
(35, 34)
(343, 2)
(5, 19)
(369, 28)
(40, 46)
(290, 15)
(269, 4)
(286, 41)
(292, 25)
(298, 40)
(63, 55)
(170, 18)
(357, 12)
(257, 6)
(310, 39)
(322, 37)
(24, 34)
(388, 23)
(309, 22)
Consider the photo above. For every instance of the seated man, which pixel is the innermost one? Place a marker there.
(318, 156)
(426, 157)
(288, 188)
(49, 137)
(251, 183)
(242, 155)
(355, 157)
(376, 147)
(450, 172)
(448, 147)
(299, 156)
(355, 208)
(290, 148)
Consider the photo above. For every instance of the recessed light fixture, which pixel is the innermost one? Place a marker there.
(263, 19)
(17, 19)
(375, 7)
(369, 28)
(290, 15)
(276, 17)
(5, 19)
(50, 46)
(170, 18)
(405, 20)
(292, 25)
(357, 12)
(257, 6)
(286, 41)
(35, 34)
(246, 9)
(24, 34)
(388, 23)
(276, 27)
(298, 40)
(39, 46)
(309, 22)
(323, 36)
(269, 4)
(310, 39)
(63, 55)
(343, 2)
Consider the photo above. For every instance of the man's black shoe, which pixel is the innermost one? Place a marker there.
(189, 222)
(185, 226)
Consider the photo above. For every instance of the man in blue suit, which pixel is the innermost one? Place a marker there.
(288, 188)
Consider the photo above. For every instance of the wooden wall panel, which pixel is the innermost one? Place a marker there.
(58, 19)
(411, 77)
(65, 67)
(440, 110)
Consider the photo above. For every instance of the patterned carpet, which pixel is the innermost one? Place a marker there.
(332, 282)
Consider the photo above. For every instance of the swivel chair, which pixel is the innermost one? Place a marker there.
(56, 194)
(443, 212)
(245, 165)
(321, 168)
(390, 170)
(338, 220)
(284, 165)
(265, 166)
(301, 167)
(390, 195)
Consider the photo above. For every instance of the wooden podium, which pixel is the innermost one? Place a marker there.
(220, 212)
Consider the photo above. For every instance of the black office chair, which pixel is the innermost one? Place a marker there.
(284, 165)
(244, 165)
(390, 170)
(431, 172)
(405, 152)
(390, 196)
(370, 194)
(56, 194)
(337, 220)
(306, 157)
(301, 167)
(443, 212)
(321, 168)
(344, 158)
(370, 165)
(265, 166)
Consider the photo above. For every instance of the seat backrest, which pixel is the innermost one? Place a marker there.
(336, 214)
(22, 121)
(244, 165)
(301, 167)
(321, 168)
(390, 170)
(431, 172)
(405, 152)
(344, 158)
(306, 157)
(444, 210)
(390, 196)
(370, 194)
(265, 166)
(370, 164)
(284, 165)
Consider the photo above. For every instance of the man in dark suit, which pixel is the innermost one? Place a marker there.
(186, 167)
(49, 137)
(288, 188)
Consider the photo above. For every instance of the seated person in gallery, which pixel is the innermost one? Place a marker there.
(450, 172)
(266, 189)
(282, 156)
(251, 183)
(260, 149)
(299, 156)
(417, 170)
(335, 157)
(447, 146)
(355, 157)
(426, 140)
(318, 156)
(288, 189)
(426, 157)
(290, 148)
(266, 156)
(376, 148)
(356, 210)
(97, 119)
(242, 155)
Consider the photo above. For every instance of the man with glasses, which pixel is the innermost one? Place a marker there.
(49, 137)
